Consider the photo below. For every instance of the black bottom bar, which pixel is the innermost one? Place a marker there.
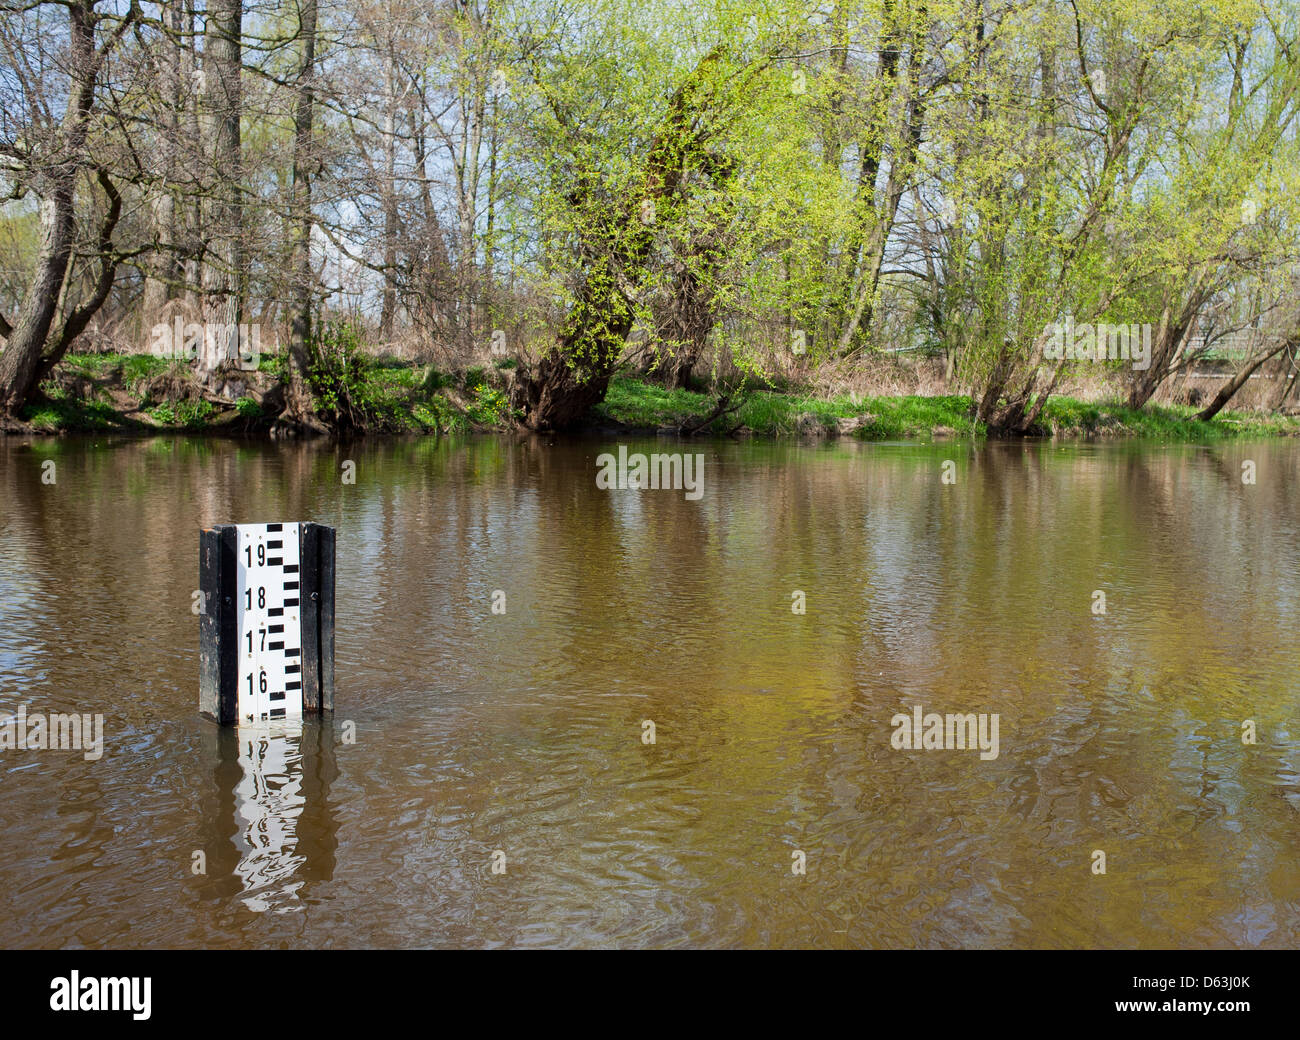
(900, 992)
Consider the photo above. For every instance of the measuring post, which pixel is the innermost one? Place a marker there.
(266, 633)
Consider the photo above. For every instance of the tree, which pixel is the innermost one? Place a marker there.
(48, 160)
(297, 403)
(618, 177)
(224, 270)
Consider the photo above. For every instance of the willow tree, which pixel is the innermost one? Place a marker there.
(1063, 176)
(1217, 249)
(618, 156)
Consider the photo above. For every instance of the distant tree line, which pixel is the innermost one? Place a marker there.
(730, 185)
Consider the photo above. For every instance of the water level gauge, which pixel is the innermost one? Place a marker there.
(266, 634)
(269, 626)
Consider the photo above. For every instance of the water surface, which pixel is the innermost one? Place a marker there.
(521, 733)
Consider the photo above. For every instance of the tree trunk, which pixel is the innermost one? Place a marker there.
(192, 209)
(389, 305)
(685, 323)
(21, 360)
(20, 365)
(1230, 388)
(298, 405)
(1168, 343)
(165, 272)
(575, 375)
(848, 309)
(1286, 378)
(223, 270)
(473, 103)
(863, 291)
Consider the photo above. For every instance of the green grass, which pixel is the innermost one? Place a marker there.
(138, 368)
(388, 376)
(887, 418)
(1068, 417)
(641, 405)
(188, 414)
(401, 397)
(918, 416)
(94, 365)
(638, 404)
(646, 405)
(132, 370)
(73, 416)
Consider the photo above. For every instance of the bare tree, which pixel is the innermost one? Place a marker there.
(297, 405)
(49, 166)
(224, 270)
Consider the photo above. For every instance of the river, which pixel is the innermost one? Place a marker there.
(489, 777)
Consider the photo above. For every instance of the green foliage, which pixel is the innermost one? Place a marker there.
(341, 379)
(194, 414)
(188, 414)
(358, 392)
(642, 405)
(138, 369)
(857, 176)
(436, 414)
(404, 405)
(64, 414)
(276, 365)
(491, 407)
(432, 380)
(163, 414)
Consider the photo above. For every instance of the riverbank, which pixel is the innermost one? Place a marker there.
(642, 405)
(142, 394)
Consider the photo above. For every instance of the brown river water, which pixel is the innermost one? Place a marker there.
(466, 741)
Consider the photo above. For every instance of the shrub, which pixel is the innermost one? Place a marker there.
(491, 407)
(194, 413)
(338, 373)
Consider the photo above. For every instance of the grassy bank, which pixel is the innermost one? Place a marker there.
(638, 404)
(144, 394)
